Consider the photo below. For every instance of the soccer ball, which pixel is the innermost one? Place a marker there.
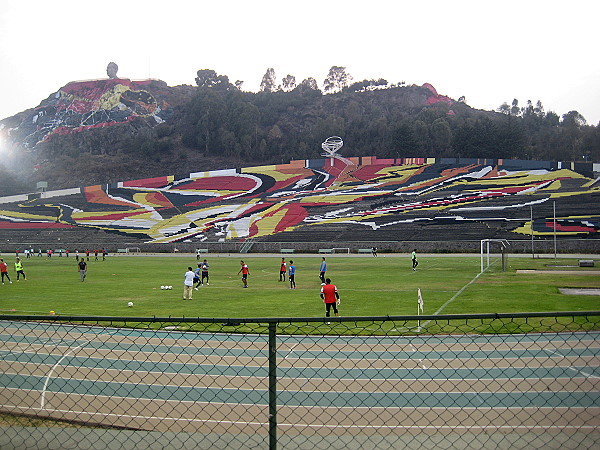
(163, 287)
(130, 304)
(169, 287)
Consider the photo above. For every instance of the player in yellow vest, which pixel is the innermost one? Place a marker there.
(19, 269)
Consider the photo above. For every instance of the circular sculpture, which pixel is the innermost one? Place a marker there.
(332, 144)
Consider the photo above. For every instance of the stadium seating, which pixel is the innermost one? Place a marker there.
(352, 200)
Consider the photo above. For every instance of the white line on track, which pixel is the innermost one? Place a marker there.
(413, 348)
(291, 350)
(47, 378)
(589, 375)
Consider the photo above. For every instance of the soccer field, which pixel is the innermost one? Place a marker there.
(368, 286)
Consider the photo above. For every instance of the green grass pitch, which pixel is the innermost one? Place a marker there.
(368, 286)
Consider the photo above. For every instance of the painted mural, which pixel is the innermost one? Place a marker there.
(364, 193)
(83, 105)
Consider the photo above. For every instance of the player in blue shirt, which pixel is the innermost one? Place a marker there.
(292, 275)
(197, 281)
(322, 270)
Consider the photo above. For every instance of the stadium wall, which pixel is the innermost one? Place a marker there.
(519, 246)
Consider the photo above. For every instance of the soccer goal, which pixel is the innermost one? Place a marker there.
(485, 252)
(341, 250)
(133, 250)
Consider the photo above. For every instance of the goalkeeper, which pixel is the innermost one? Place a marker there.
(330, 296)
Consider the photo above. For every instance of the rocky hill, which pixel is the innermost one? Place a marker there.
(108, 130)
(87, 131)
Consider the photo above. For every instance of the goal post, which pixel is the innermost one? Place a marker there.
(485, 252)
(341, 250)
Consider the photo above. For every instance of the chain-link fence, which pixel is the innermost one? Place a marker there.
(477, 381)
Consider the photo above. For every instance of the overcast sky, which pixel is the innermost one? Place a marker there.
(489, 51)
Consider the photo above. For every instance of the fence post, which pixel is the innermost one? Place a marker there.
(272, 386)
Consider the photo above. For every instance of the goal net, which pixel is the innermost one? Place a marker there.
(341, 250)
(133, 250)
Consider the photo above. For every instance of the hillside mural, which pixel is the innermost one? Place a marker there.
(85, 105)
(358, 198)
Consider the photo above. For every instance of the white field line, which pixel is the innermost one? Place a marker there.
(441, 308)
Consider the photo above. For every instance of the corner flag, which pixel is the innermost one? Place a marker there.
(420, 300)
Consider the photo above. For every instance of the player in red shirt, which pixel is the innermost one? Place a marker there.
(4, 271)
(282, 270)
(245, 272)
(330, 296)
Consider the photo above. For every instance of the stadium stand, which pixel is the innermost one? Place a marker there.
(355, 200)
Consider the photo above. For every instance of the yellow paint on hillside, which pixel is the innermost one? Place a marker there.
(266, 224)
(272, 171)
(18, 215)
(84, 215)
(341, 198)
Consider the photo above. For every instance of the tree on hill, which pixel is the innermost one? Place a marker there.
(364, 85)
(268, 81)
(288, 83)
(336, 80)
(308, 86)
(207, 78)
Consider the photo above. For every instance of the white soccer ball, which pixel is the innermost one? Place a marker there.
(170, 287)
(130, 304)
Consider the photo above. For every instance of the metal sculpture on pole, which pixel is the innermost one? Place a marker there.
(331, 146)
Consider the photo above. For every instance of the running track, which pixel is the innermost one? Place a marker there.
(169, 381)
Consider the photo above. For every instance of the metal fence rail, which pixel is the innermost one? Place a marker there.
(461, 381)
